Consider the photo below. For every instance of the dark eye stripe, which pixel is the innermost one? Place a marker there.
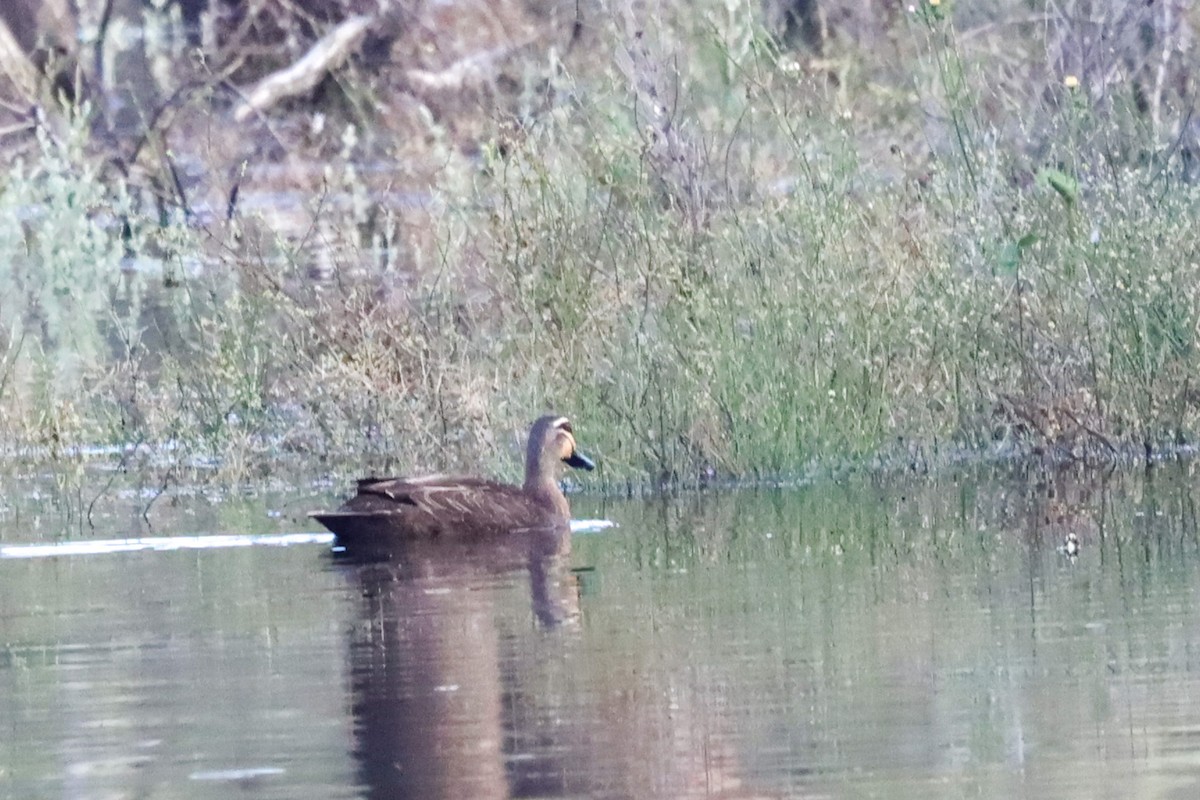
(565, 425)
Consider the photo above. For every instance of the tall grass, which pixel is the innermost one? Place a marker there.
(713, 259)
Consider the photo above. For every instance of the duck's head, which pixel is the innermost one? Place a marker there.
(552, 441)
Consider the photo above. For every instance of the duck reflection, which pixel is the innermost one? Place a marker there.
(446, 700)
(425, 659)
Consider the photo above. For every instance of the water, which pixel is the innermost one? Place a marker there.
(924, 638)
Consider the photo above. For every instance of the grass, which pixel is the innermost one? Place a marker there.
(718, 262)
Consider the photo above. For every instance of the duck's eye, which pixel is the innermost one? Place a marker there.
(565, 425)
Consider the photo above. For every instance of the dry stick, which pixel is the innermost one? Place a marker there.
(1160, 76)
(180, 192)
(9, 365)
(1165, 160)
(231, 203)
(178, 98)
(466, 70)
(162, 489)
(14, 106)
(576, 29)
(121, 467)
(1095, 434)
(1018, 408)
(98, 48)
(327, 54)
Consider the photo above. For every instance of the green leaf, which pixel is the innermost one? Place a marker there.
(1011, 252)
(1066, 186)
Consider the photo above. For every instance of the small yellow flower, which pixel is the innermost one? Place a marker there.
(1071, 82)
(935, 2)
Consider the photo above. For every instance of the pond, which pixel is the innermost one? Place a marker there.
(908, 638)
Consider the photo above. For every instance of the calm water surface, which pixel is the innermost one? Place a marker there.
(914, 639)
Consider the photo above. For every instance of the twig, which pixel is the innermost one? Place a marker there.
(162, 489)
(98, 48)
(18, 127)
(1095, 434)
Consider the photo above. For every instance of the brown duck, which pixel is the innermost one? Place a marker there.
(464, 508)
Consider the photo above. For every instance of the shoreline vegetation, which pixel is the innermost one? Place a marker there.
(730, 240)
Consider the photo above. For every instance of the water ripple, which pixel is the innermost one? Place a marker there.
(202, 542)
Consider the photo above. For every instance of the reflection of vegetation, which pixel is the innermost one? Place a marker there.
(719, 255)
(851, 615)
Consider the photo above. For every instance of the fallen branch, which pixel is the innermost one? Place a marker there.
(466, 71)
(327, 54)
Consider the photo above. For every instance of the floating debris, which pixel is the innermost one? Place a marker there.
(1070, 545)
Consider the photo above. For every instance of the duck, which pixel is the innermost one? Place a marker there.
(460, 508)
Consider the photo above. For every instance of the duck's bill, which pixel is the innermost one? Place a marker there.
(579, 461)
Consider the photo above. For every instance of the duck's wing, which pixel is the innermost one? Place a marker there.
(447, 497)
(441, 478)
(412, 490)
